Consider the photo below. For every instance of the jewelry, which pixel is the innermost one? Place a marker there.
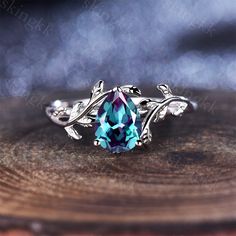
(121, 117)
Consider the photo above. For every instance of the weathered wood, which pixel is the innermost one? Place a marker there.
(185, 179)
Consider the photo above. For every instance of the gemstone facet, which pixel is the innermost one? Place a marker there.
(118, 123)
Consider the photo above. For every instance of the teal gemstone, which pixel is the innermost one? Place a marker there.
(118, 123)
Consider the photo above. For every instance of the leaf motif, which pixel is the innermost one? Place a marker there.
(165, 90)
(72, 133)
(146, 136)
(75, 111)
(161, 114)
(130, 89)
(97, 89)
(177, 108)
(86, 121)
(144, 104)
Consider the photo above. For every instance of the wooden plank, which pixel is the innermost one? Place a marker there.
(186, 177)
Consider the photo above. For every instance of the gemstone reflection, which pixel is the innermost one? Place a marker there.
(118, 123)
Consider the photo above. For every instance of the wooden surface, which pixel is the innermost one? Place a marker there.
(183, 183)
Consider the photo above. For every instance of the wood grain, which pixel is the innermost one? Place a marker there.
(184, 181)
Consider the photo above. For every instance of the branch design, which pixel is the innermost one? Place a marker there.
(172, 104)
(83, 116)
(84, 112)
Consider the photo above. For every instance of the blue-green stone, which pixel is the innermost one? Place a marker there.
(118, 123)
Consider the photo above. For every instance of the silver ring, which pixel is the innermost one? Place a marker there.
(121, 117)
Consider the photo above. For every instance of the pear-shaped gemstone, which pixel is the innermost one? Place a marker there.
(118, 123)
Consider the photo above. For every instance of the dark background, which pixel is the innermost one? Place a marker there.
(54, 45)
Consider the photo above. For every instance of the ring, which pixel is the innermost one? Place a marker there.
(120, 116)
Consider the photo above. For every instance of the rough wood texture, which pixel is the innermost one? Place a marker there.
(184, 182)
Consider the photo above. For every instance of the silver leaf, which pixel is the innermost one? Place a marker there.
(177, 108)
(97, 89)
(73, 133)
(75, 111)
(165, 90)
(161, 114)
(146, 136)
(86, 121)
(130, 89)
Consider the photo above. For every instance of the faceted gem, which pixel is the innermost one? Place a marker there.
(118, 123)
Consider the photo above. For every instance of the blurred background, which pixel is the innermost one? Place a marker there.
(54, 45)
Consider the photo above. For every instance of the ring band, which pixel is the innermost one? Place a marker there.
(121, 117)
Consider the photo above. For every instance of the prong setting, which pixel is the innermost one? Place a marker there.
(96, 143)
(117, 89)
(139, 143)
